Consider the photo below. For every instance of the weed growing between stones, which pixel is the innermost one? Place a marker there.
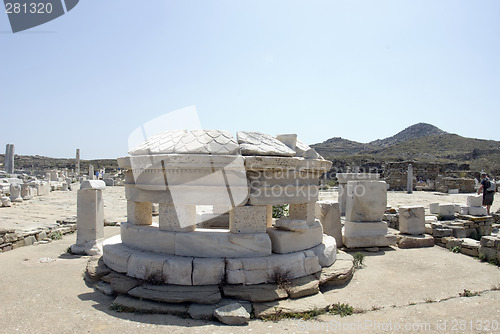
(482, 257)
(456, 249)
(56, 235)
(429, 300)
(342, 309)
(468, 293)
(358, 260)
(283, 278)
(279, 315)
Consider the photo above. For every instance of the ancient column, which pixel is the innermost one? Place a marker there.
(409, 182)
(91, 172)
(90, 218)
(9, 159)
(77, 165)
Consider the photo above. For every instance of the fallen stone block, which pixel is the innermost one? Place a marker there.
(415, 241)
(303, 286)
(232, 314)
(206, 312)
(121, 283)
(300, 305)
(338, 273)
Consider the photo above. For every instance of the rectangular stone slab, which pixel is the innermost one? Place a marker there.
(207, 294)
(222, 243)
(288, 241)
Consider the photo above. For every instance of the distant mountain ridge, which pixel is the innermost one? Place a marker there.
(415, 131)
(420, 142)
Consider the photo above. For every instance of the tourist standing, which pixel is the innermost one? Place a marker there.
(488, 194)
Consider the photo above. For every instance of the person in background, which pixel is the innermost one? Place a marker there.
(487, 195)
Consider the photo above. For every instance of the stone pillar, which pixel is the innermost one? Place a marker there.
(77, 164)
(303, 211)
(365, 207)
(9, 159)
(409, 181)
(343, 178)
(90, 218)
(15, 193)
(26, 193)
(248, 219)
(328, 213)
(139, 213)
(177, 218)
(91, 172)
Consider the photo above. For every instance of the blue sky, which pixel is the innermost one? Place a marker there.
(361, 70)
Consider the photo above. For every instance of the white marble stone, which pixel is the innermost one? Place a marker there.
(365, 229)
(248, 219)
(116, 255)
(343, 178)
(177, 218)
(434, 208)
(464, 210)
(294, 225)
(222, 243)
(303, 211)
(208, 271)
(288, 241)
(328, 213)
(93, 184)
(447, 210)
(188, 142)
(263, 269)
(326, 251)
(90, 217)
(475, 200)
(178, 270)
(370, 241)
(412, 220)
(477, 211)
(306, 151)
(15, 193)
(139, 213)
(366, 200)
(147, 266)
(148, 238)
(290, 140)
(257, 143)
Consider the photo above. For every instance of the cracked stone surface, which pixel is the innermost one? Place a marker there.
(188, 142)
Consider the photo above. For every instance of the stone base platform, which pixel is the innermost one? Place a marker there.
(200, 302)
(191, 270)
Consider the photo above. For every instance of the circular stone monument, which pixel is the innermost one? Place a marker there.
(187, 171)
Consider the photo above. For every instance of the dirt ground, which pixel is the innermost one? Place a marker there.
(398, 290)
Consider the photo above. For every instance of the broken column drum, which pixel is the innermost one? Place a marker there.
(183, 169)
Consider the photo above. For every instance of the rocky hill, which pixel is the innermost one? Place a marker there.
(419, 142)
(413, 132)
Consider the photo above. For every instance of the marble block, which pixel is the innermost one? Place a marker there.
(208, 271)
(188, 142)
(366, 200)
(248, 219)
(328, 213)
(116, 255)
(147, 238)
(177, 218)
(303, 211)
(365, 229)
(222, 243)
(326, 251)
(288, 241)
(257, 143)
(477, 211)
(447, 210)
(139, 213)
(90, 216)
(434, 208)
(178, 270)
(412, 220)
(476, 200)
